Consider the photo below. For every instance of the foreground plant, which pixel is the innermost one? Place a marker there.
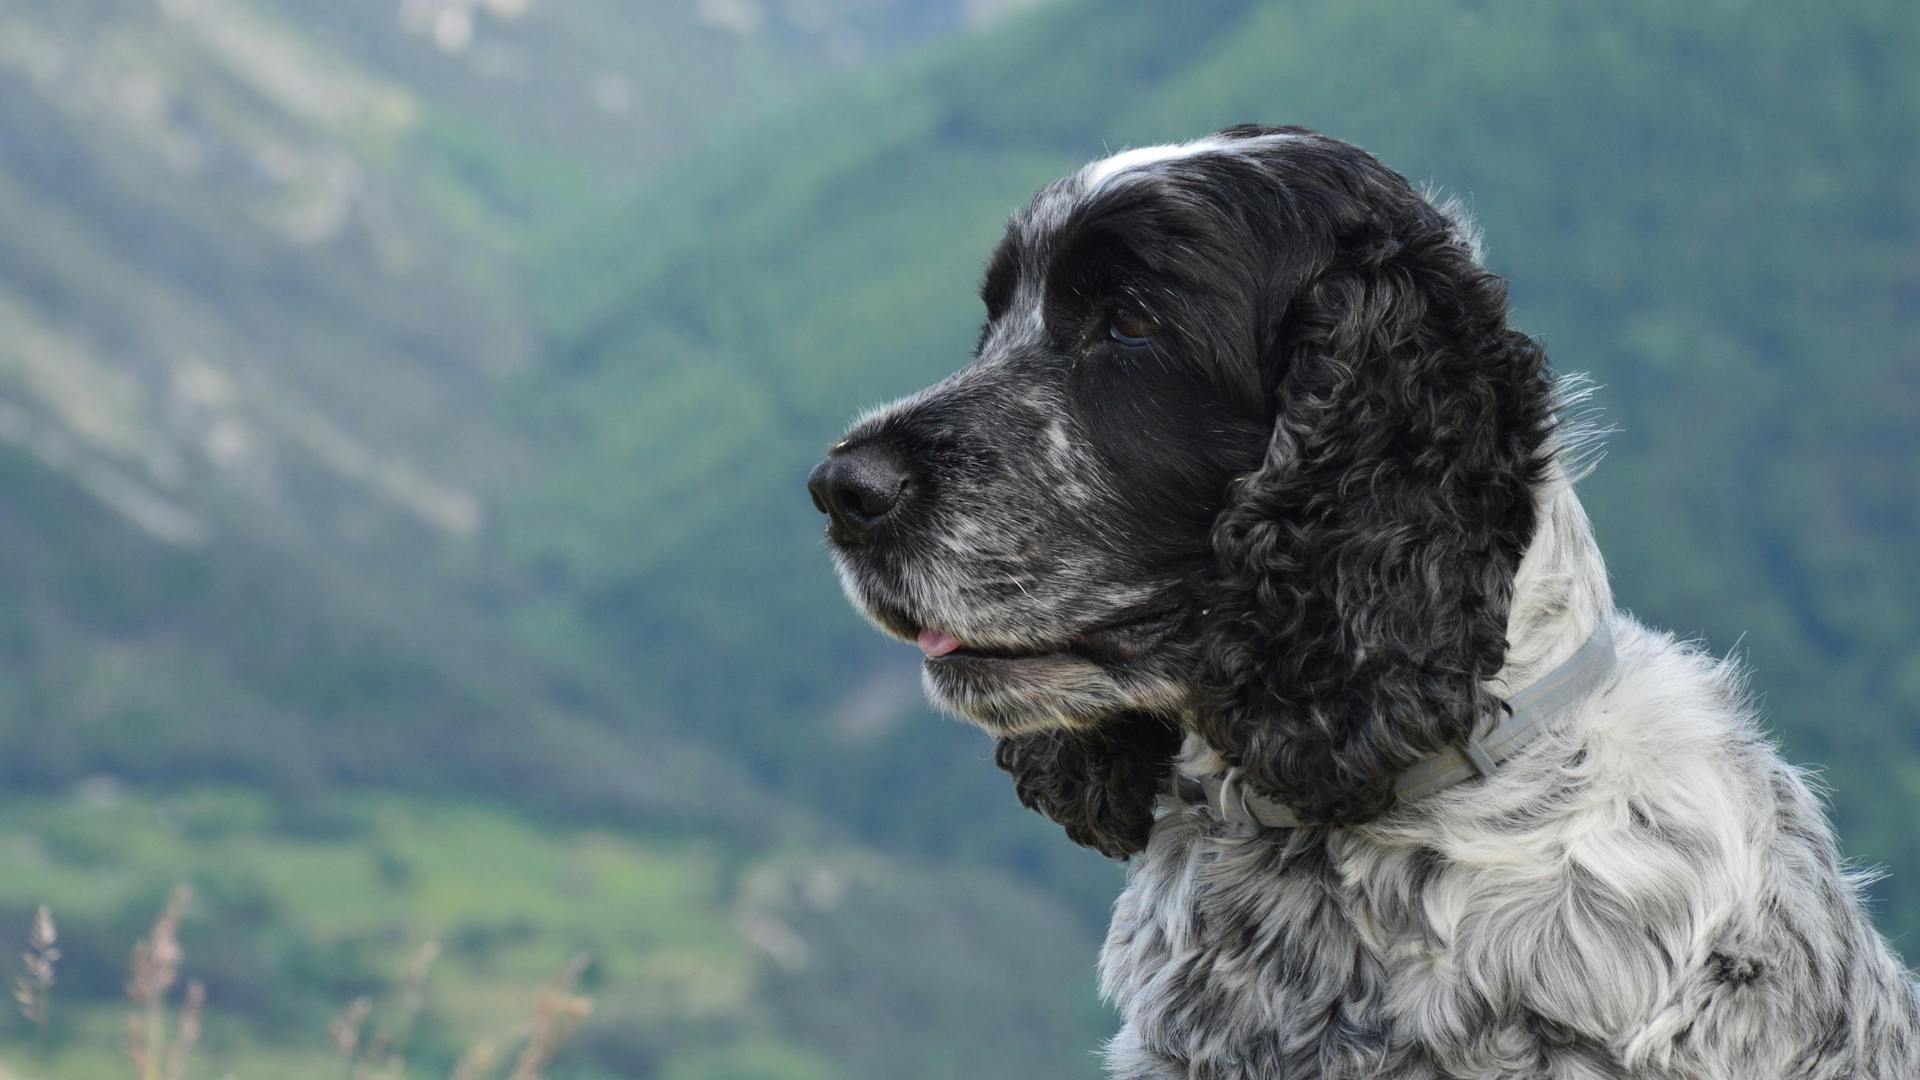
(161, 1039)
(556, 1016)
(156, 967)
(34, 990)
(558, 1013)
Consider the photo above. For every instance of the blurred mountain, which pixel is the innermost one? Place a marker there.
(261, 300)
(418, 394)
(262, 306)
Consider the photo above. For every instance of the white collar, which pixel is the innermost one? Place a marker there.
(1525, 720)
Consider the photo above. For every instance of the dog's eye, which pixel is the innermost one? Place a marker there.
(1131, 327)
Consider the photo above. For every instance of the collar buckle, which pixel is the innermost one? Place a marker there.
(1232, 805)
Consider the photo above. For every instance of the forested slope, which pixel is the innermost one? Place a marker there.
(260, 309)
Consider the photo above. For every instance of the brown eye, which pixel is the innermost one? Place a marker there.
(1131, 327)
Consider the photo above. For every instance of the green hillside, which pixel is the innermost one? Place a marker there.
(260, 311)
(707, 960)
(261, 306)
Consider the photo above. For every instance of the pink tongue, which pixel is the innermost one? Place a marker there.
(935, 643)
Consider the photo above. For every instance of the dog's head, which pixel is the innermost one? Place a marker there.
(1246, 447)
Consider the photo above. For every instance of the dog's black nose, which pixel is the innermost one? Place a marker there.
(856, 487)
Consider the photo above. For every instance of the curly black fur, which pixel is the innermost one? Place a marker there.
(1101, 784)
(1364, 569)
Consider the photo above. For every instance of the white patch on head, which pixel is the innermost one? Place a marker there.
(1099, 172)
(1096, 175)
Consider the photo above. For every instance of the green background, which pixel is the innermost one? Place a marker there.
(404, 409)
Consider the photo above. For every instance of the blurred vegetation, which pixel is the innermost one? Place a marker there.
(705, 960)
(397, 427)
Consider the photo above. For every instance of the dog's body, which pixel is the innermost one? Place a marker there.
(1249, 477)
(1648, 891)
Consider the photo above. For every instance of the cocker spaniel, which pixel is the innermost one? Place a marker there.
(1250, 534)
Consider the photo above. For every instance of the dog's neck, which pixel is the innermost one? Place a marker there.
(1560, 593)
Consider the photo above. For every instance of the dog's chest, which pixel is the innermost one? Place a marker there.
(1260, 958)
(1246, 953)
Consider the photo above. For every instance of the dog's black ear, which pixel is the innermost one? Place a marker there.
(1365, 567)
(1099, 784)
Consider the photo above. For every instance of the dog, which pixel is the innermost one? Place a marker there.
(1250, 534)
